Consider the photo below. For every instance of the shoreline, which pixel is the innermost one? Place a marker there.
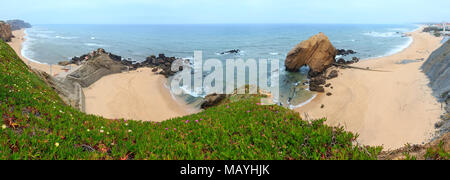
(390, 108)
(17, 44)
(129, 95)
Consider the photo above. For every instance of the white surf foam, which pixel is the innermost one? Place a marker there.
(383, 34)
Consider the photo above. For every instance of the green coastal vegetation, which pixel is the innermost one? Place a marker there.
(36, 124)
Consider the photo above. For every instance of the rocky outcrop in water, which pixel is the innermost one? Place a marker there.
(234, 51)
(18, 24)
(437, 68)
(317, 52)
(343, 52)
(5, 32)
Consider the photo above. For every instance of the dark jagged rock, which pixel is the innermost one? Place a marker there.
(212, 100)
(333, 74)
(341, 61)
(343, 52)
(316, 88)
(329, 94)
(234, 51)
(18, 24)
(319, 80)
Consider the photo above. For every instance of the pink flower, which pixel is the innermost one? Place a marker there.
(228, 107)
(175, 129)
(196, 121)
(167, 129)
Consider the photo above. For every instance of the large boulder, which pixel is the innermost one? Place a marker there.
(317, 52)
(5, 32)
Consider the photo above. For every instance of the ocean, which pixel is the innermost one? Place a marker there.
(54, 43)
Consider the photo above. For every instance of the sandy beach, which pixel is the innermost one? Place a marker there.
(137, 95)
(389, 108)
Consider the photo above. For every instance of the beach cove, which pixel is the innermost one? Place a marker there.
(363, 102)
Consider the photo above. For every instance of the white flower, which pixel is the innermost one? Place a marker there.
(88, 130)
(126, 124)
(57, 144)
(102, 127)
(101, 131)
(3, 126)
(130, 131)
(107, 133)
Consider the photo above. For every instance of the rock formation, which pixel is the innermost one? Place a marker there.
(5, 32)
(18, 24)
(70, 92)
(234, 51)
(98, 65)
(161, 62)
(317, 52)
(437, 68)
(212, 100)
(343, 52)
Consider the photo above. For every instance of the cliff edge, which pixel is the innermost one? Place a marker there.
(5, 31)
(437, 68)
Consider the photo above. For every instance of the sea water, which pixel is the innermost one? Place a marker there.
(54, 43)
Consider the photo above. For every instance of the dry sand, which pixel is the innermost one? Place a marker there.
(137, 95)
(389, 108)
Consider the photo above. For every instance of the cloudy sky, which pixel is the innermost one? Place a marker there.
(225, 11)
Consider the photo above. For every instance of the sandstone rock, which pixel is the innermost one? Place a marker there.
(317, 52)
(212, 100)
(5, 32)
